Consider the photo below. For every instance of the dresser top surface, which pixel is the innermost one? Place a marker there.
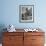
(22, 30)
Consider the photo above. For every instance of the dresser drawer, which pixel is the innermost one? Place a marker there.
(8, 45)
(13, 33)
(13, 44)
(37, 39)
(37, 44)
(34, 33)
(12, 39)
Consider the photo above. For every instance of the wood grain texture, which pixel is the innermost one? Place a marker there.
(13, 39)
(34, 39)
(23, 38)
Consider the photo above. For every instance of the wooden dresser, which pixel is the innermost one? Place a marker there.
(23, 38)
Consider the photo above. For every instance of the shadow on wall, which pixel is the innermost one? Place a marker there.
(2, 26)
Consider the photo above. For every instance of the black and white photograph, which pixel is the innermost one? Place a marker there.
(26, 13)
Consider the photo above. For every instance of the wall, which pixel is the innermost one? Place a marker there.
(10, 13)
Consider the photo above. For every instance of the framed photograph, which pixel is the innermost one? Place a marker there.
(26, 13)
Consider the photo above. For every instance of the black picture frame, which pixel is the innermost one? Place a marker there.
(26, 13)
